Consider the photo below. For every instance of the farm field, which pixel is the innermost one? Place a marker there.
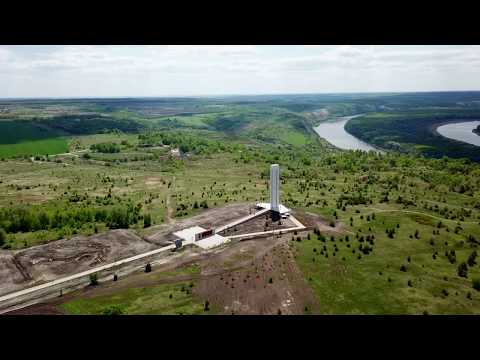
(23, 138)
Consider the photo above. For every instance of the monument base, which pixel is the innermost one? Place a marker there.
(275, 215)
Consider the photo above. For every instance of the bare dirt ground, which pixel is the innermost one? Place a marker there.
(234, 279)
(32, 266)
(25, 268)
(311, 220)
(257, 276)
(209, 218)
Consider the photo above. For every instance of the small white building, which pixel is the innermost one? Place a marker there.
(196, 235)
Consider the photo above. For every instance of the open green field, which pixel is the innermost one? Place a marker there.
(22, 138)
(163, 299)
(34, 147)
(349, 281)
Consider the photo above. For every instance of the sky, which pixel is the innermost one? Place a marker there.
(202, 70)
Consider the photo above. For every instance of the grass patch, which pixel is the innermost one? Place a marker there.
(35, 147)
(140, 301)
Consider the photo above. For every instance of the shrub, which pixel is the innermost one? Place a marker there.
(115, 277)
(476, 284)
(3, 237)
(452, 256)
(207, 306)
(93, 279)
(147, 220)
(112, 310)
(471, 259)
(148, 268)
(403, 268)
(462, 270)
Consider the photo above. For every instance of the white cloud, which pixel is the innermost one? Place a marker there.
(186, 70)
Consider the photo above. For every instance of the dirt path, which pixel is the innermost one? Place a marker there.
(168, 203)
(420, 213)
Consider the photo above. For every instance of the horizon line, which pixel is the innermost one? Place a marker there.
(229, 95)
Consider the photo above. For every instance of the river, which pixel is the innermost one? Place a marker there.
(461, 131)
(334, 132)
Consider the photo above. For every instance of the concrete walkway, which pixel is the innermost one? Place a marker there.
(241, 220)
(299, 226)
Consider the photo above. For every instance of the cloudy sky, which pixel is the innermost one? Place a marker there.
(104, 71)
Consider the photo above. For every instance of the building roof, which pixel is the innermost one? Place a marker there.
(189, 234)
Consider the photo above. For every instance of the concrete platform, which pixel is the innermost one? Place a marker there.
(212, 241)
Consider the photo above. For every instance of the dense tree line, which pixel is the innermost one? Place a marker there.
(14, 220)
(108, 147)
(187, 143)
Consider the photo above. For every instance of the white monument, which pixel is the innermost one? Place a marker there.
(274, 187)
(274, 203)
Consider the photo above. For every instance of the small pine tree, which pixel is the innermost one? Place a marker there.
(476, 284)
(147, 220)
(471, 259)
(3, 237)
(462, 269)
(93, 279)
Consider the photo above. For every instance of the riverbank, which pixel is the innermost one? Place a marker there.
(460, 130)
(334, 132)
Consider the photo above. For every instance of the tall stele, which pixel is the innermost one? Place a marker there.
(275, 187)
(274, 205)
